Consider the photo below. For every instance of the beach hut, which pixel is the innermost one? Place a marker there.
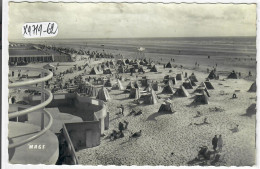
(252, 88)
(166, 107)
(103, 94)
(181, 92)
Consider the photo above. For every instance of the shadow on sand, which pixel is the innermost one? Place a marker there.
(250, 111)
(154, 115)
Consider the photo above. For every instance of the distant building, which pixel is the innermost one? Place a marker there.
(49, 67)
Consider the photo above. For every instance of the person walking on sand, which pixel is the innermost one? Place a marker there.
(121, 109)
(220, 143)
(215, 142)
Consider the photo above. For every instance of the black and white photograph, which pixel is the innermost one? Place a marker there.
(131, 84)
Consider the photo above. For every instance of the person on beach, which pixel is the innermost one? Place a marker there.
(13, 100)
(120, 127)
(198, 114)
(215, 142)
(249, 73)
(121, 109)
(220, 143)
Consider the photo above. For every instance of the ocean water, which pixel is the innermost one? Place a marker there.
(238, 52)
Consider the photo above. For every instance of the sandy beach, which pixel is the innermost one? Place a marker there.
(171, 139)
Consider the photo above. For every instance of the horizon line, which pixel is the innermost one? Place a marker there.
(129, 37)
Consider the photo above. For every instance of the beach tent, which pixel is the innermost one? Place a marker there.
(212, 75)
(127, 61)
(232, 75)
(111, 63)
(132, 70)
(179, 76)
(201, 98)
(145, 61)
(103, 94)
(148, 88)
(252, 88)
(182, 92)
(130, 85)
(187, 84)
(145, 81)
(142, 62)
(141, 69)
(208, 85)
(154, 69)
(151, 98)
(121, 70)
(108, 83)
(172, 80)
(133, 85)
(107, 71)
(202, 84)
(118, 85)
(166, 107)
(168, 65)
(168, 89)
(193, 83)
(170, 83)
(193, 78)
(121, 62)
(201, 90)
(94, 71)
(135, 93)
(156, 86)
(107, 64)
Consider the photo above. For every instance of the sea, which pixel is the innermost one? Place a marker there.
(225, 52)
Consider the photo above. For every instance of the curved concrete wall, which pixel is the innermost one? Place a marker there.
(87, 108)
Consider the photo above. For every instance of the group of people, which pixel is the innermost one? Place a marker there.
(217, 142)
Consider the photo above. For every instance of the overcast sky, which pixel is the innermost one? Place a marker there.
(110, 20)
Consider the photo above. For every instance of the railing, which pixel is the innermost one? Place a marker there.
(26, 85)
